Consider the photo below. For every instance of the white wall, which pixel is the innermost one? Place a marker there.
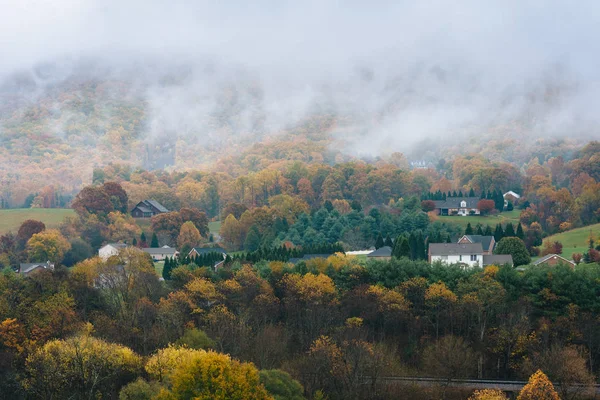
(466, 259)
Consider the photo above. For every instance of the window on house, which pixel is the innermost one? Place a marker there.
(473, 257)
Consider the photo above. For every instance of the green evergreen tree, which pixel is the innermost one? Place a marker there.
(252, 242)
(482, 195)
(479, 230)
(520, 234)
(388, 241)
(379, 242)
(167, 268)
(471, 193)
(402, 248)
(460, 193)
(469, 229)
(154, 243)
(498, 233)
(421, 255)
(328, 205)
(134, 242)
(143, 239)
(509, 231)
(487, 231)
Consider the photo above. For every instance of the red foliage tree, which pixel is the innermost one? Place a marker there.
(428, 205)
(486, 206)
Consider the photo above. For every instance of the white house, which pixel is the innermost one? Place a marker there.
(109, 250)
(160, 253)
(470, 254)
(510, 196)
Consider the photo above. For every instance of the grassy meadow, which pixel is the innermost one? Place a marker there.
(575, 240)
(11, 219)
(492, 220)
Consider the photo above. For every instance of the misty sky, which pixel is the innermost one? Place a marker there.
(415, 67)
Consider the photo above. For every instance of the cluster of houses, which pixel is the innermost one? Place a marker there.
(470, 251)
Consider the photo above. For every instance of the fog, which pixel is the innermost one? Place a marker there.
(399, 72)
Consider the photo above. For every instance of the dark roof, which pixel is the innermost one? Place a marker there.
(484, 240)
(549, 256)
(454, 202)
(450, 249)
(206, 250)
(157, 205)
(160, 250)
(27, 268)
(385, 251)
(497, 259)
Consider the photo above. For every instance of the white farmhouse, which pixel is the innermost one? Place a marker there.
(467, 254)
(470, 254)
(109, 250)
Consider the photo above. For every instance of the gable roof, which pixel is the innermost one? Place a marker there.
(497, 259)
(26, 268)
(485, 241)
(385, 251)
(513, 194)
(159, 250)
(451, 249)
(157, 205)
(454, 202)
(549, 256)
(206, 250)
(143, 209)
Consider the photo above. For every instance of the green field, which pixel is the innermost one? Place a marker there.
(11, 219)
(575, 240)
(214, 227)
(492, 220)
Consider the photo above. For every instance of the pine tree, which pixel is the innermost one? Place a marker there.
(167, 268)
(143, 240)
(402, 248)
(460, 193)
(471, 193)
(454, 193)
(487, 231)
(420, 252)
(412, 243)
(154, 242)
(469, 229)
(498, 233)
(520, 234)
(479, 230)
(388, 241)
(482, 195)
(134, 242)
(509, 230)
(379, 242)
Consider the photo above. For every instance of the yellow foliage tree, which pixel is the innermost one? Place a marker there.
(539, 387)
(189, 237)
(488, 394)
(80, 367)
(208, 375)
(49, 245)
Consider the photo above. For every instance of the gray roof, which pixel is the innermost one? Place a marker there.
(156, 204)
(497, 259)
(385, 251)
(451, 249)
(160, 250)
(143, 209)
(484, 240)
(27, 268)
(454, 202)
(206, 250)
(549, 256)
